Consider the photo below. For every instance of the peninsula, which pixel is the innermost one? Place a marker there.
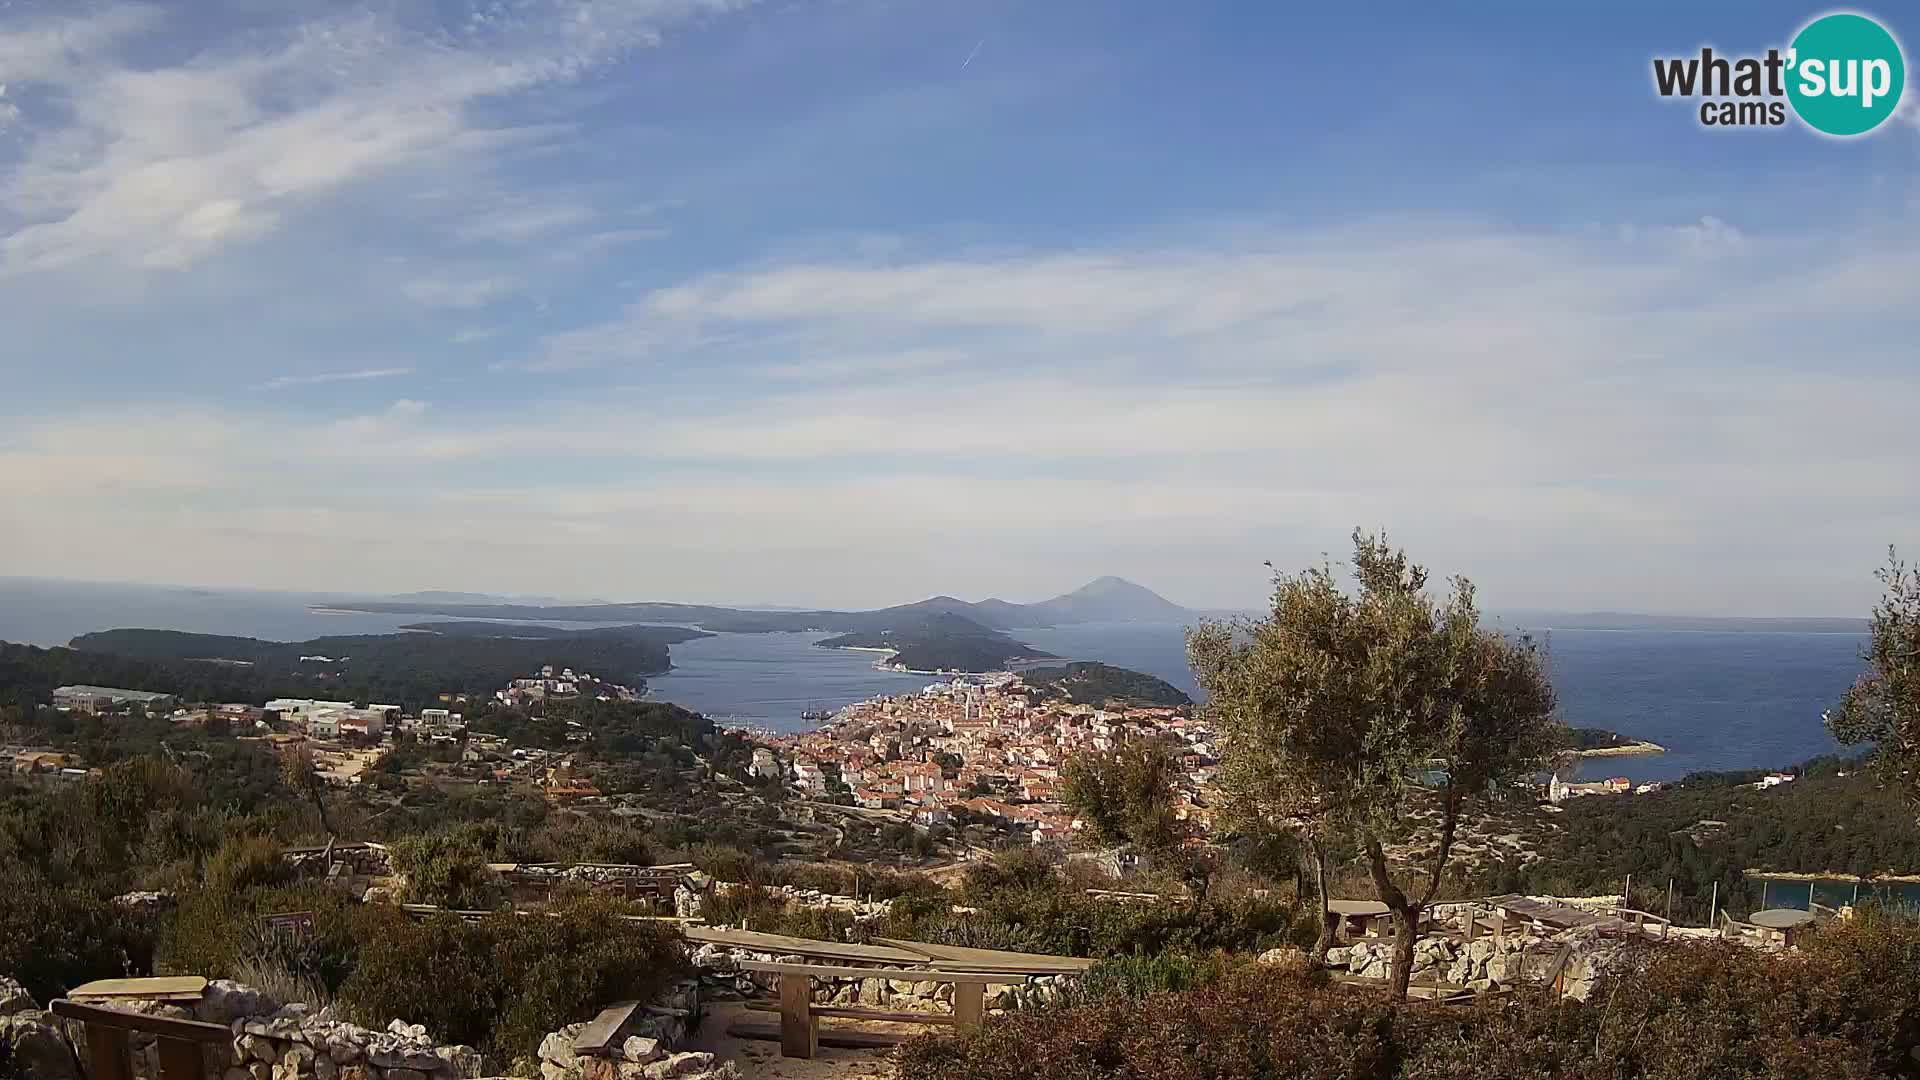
(1599, 742)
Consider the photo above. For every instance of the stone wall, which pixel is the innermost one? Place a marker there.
(722, 979)
(270, 1041)
(1487, 963)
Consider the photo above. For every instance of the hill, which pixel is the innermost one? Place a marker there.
(1107, 599)
(1085, 682)
(941, 642)
(407, 669)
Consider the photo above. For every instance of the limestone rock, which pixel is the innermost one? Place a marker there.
(1286, 958)
(640, 1051)
(690, 1063)
(225, 1001)
(464, 1061)
(14, 998)
(38, 1049)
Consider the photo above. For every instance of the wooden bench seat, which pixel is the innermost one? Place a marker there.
(853, 1012)
(800, 1017)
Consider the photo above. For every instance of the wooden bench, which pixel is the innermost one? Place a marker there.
(108, 1054)
(800, 1017)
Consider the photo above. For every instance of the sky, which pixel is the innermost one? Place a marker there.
(851, 302)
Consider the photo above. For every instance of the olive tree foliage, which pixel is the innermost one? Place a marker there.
(1346, 711)
(1124, 796)
(1883, 706)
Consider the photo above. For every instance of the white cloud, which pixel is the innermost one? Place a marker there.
(161, 165)
(457, 292)
(322, 378)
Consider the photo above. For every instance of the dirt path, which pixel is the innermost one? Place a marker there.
(762, 1060)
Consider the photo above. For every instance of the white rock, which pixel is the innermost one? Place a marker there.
(14, 998)
(687, 1064)
(640, 1051)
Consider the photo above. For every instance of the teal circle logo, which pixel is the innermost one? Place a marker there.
(1845, 74)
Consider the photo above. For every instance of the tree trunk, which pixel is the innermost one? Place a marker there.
(1316, 857)
(1406, 918)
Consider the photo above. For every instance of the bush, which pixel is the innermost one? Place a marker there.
(1847, 1005)
(53, 938)
(447, 869)
(502, 982)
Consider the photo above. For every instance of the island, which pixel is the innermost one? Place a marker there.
(411, 668)
(1599, 742)
(1086, 682)
(939, 644)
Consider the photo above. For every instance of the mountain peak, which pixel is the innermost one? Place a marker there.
(1112, 599)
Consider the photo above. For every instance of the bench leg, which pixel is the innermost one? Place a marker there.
(799, 1028)
(969, 1005)
(180, 1060)
(107, 1053)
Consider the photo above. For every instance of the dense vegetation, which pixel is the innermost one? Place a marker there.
(940, 642)
(411, 669)
(1711, 828)
(1085, 682)
(1593, 738)
(1846, 1006)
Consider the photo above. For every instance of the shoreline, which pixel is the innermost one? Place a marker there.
(1633, 749)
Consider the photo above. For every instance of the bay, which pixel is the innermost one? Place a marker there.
(1716, 700)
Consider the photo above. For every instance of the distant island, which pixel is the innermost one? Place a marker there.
(1086, 682)
(938, 644)
(1107, 599)
(1599, 742)
(408, 669)
(936, 635)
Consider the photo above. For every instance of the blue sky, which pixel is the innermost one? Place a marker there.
(855, 301)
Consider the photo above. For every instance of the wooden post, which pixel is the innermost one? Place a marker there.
(180, 1059)
(1499, 923)
(1626, 895)
(969, 1005)
(799, 1029)
(1713, 908)
(1669, 899)
(1810, 895)
(107, 1053)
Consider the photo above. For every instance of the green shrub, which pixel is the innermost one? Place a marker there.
(53, 937)
(447, 869)
(502, 982)
(1847, 1005)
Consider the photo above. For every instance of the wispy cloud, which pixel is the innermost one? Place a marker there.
(284, 381)
(445, 292)
(159, 165)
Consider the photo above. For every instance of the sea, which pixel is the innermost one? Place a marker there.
(1716, 700)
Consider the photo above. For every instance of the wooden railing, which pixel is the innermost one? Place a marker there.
(1557, 971)
(1640, 919)
(109, 1058)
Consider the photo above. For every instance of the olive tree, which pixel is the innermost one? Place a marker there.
(1345, 713)
(1883, 706)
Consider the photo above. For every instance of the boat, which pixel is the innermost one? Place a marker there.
(816, 715)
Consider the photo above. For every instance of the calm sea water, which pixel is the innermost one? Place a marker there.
(1727, 700)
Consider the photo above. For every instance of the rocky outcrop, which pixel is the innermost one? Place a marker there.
(32, 1041)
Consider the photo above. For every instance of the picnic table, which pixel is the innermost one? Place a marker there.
(1782, 921)
(1362, 918)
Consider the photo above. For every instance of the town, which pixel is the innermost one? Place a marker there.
(986, 747)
